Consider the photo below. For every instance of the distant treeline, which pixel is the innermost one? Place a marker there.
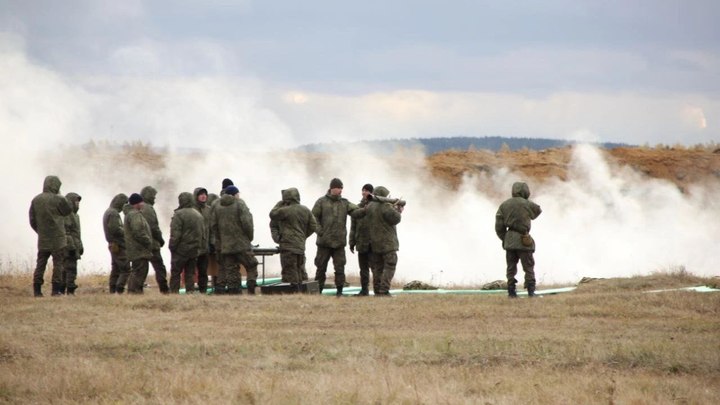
(434, 145)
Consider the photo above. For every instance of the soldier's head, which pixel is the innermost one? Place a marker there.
(201, 195)
(136, 201)
(233, 191)
(227, 182)
(336, 187)
(520, 189)
(74, 199)
(367, 190)
(148, 194)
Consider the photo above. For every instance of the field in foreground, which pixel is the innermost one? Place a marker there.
(607, 342)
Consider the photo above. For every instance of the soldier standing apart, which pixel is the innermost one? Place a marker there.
(115, 237)
(294, 224)
(382, 217)
(360, 242)
(148, 194)
(74, 247)
(203, 207)
(232, 223)
(331, 212)
(47, 210)
(139, 243)
(187, 233)
(512, 226)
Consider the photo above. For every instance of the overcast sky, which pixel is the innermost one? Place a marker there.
(292, 72)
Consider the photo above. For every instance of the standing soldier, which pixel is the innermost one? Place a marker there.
(512, 226)
(203, 207)
(139, 242)
(115, 237)
(213, 254)
(294, 224)
(360, 242)
(148, 194)
(47, 210)
(74, 247)
(187, 233)
(232, 224)
(331, 211)
(382, 217)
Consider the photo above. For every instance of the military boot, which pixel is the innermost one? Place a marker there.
(71, 290)
(339, 291)
(113, 289)
(164, 289)
(251, 284)
(37, 290)
(363, 292)
(511, 292)
(62, 289)
(531, 291)
(120, 290)
(55, 290)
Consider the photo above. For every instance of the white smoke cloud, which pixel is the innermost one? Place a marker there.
(603, 221)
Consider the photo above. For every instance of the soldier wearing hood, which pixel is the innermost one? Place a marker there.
(148, 194)
(115, 237)
(202, 205)
(47, 212)
(232, 225)
(382, 218)
(294, 223)
(512, 226)
(74, 247)
(360, 242)
(187, 234)
(331, 212)
(139, 243)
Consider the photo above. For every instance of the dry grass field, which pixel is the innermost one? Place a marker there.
(608, 342)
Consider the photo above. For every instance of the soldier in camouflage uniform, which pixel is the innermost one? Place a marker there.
(148, 194)
(360, 242)
(47, 212)
(331, 212)
(232, 225)
(187, 234)
(203, 206)
(294, 224)
(115, 237)
(512, 226)
(139, 243)
(382, 218)
(74, 248)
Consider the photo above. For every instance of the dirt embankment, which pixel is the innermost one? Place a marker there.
(680, 166)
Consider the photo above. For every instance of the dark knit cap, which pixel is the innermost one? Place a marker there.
(368, 187)
(135, 198)
(232, 190)
(227, 182)
(336, 183)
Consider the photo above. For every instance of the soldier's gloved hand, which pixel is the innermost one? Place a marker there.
(352, 248)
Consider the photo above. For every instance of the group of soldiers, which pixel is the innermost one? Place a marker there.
(207, 227)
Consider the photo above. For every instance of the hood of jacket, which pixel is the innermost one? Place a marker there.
(126, 208)
(185, 200)
(74, 199)
(212, 197)
(291, 196)
(381, 191)
(118, 201)
(227, 199)
(52, 184)
(148, 194)
(196, 193)
(520, 189)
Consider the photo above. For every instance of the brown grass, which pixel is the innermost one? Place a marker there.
(605, 343)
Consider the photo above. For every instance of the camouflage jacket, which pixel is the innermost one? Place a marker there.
(204, 210)
(138, 239)
(232, 225)
(187, 228)
(112, 223)
(47, 212)
(295, 222)
(72, 228)
(331, 214)
(514, 216)
(148, 194)
(381, 220)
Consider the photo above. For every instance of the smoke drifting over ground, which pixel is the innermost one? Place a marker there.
(602, 222)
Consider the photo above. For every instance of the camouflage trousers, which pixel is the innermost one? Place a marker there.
(43, 256)
(69, 274)
(202, 272)
(383, 268)
(230, 269)
(180, 265)
(528, 263)
(119, 270)
(138, 273)
(324, 254)
(364, 264)
(160, 271)
(293, 267)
